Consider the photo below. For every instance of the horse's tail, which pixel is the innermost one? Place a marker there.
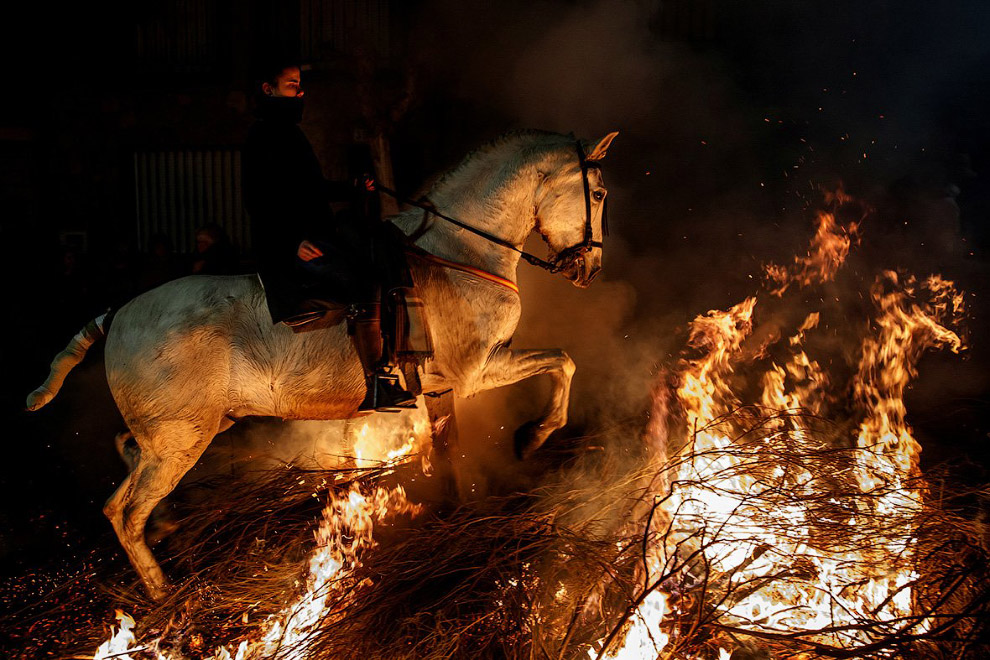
(72, 355)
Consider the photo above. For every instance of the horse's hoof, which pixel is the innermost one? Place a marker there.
(158, 592)
(528, 439)
(37, 399)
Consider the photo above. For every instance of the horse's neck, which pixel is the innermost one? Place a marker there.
(493, 191)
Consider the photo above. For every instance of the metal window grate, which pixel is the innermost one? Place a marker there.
(176, 192)
(177, 36)
(328, 26)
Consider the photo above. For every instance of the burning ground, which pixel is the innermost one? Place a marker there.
(771, 505)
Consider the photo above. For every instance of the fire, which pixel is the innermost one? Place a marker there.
(889, 359)
(788, 547)
(382, 441)
(344, 535)
(788, 506)
(121, 643)
(828, 251)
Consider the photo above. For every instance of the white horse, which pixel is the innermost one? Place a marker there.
(185, 360)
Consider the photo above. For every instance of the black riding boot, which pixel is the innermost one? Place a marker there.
(385, 394)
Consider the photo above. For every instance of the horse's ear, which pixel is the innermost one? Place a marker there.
(598, 151)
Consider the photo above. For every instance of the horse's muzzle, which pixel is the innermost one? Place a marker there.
(583, 269)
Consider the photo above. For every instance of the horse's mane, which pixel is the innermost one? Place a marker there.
(511, 136)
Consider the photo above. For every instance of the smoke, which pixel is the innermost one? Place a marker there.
(723, 143)
(724, 147)
(589, 68)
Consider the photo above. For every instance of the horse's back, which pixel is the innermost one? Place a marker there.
(172, 346)
(190, 308)
(193, 297)
(206, 346)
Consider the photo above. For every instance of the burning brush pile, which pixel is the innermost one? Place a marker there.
(772, 508)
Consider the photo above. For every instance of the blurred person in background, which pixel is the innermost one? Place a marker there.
(215, 254)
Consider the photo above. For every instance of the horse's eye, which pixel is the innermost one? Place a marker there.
(599, 195)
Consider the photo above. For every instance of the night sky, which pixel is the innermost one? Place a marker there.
(731, 116)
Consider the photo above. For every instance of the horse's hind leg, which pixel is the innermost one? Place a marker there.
(160, 523)
(166, 455)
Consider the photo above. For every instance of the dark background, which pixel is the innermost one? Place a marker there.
(731, 114)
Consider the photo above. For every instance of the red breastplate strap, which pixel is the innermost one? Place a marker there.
(470, 270)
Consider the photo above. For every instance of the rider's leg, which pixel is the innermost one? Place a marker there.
(384, 391)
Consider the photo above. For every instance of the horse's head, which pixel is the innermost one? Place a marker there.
(570, 208)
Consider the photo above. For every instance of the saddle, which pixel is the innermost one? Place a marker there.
(354, 280)
(402, 317)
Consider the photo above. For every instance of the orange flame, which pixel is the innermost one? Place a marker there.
(794, 581)
(120, 642)
(828, 250)
(345, 533)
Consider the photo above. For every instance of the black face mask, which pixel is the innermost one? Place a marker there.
(281, 108)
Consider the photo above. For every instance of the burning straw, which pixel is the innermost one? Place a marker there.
(770, 509)
(564, 572)
(795, 558)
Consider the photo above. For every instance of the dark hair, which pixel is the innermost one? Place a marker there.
(270, 68)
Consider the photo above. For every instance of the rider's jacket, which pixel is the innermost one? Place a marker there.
(285, 191)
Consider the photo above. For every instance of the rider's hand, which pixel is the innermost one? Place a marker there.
(307, 251)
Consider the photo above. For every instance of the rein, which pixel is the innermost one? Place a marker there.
(432, 210)
(563, 257)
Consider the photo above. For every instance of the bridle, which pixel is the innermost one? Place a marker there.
(564, 258)
(571, 254)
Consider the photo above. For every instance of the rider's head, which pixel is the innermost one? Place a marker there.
(283, 80)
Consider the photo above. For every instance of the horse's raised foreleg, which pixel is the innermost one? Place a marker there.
(511, 366)
(440, 409)
(165, 456)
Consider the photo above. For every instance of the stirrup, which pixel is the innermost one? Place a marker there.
(386, 395)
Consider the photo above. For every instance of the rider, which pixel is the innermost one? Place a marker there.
(288, 199)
